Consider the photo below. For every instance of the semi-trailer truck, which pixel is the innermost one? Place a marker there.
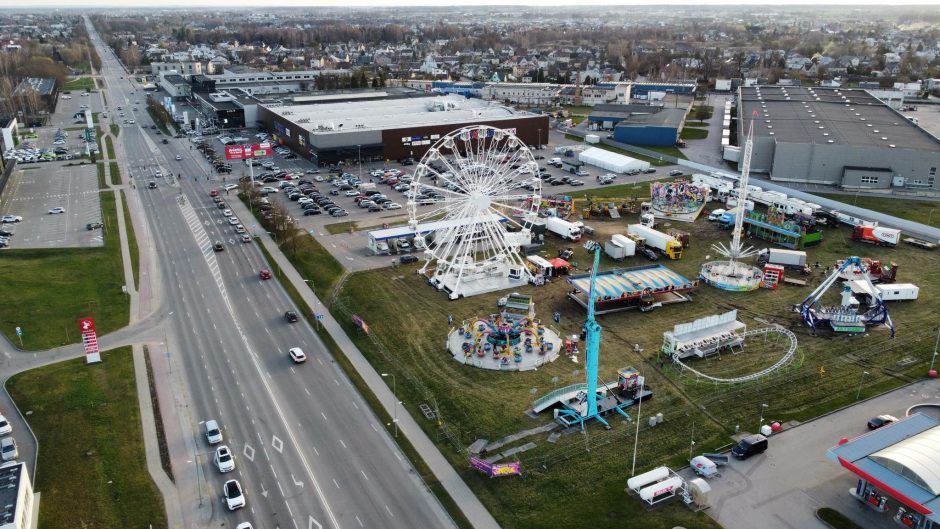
(665, 244)
(876, 235)
(570, 231)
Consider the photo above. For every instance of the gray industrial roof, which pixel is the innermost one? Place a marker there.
(10, 474)
(332, 118)
(823, 115)
(666, 117)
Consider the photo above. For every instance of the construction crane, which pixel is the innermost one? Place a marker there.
(845, 318)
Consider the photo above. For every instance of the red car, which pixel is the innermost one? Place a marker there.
(264, 273)
(213, 193)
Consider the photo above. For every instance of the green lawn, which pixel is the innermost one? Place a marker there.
(102, 177)
(50, 289)
(115, 129)
(922, 211)
(131, 241)
(82, 83)
(693, 133)
(91, 468)
(109, 144)
(491, 405)
(115, 173)
(341, 227)
(157, 121)
(836, 519)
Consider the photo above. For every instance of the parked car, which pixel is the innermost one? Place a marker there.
(93, 226)
(6, 219)
(5, 427)
(56, 211)
(675, 172)
(224, 459)
(213, 433)
(234, 498)
(8, 451)
(407, 259)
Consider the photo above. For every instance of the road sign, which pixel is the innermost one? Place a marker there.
(318, 316)
(19, 331)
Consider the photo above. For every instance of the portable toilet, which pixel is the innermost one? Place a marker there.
(699, 489)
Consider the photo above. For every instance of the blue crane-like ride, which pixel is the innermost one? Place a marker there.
(845, 318)
(586, 406)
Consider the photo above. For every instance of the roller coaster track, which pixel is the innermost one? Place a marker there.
(783, 361)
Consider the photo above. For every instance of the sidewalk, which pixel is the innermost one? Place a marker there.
(471, 506)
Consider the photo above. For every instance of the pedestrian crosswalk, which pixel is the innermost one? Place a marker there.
(204, 243)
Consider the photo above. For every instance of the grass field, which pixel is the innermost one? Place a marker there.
(131, 241)
(490, 405)
(109, 144)
(115, 173)
(91, 444)
(157, 121)
(836, 519)
(341, 227)
(922, 211)
(693, 133)
(54, 287)
(102, 176)
(115, 129)
(82, 83)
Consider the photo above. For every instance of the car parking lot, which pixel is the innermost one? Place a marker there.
(35, 189)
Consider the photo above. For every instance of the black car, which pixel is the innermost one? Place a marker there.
(290, 316)
(312, 211)
(373, 208)
(294, 196)
(407, 259)
(649, 254)
(152, 185)
(5, 233)
(881, 420)
(93, 225)
(165, 141)
(218, 246)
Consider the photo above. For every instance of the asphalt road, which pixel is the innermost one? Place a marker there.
(309, 452)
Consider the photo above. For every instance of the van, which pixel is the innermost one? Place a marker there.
(749, 446)
(716, 214)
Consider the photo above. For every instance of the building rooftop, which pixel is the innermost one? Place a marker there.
(606, 110)
(331, 118)
(43, 85)
(829, 116)
(175, 78)
(664, 117)
(10, 474)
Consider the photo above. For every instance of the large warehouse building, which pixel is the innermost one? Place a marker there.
(327, 132)
(846, 138)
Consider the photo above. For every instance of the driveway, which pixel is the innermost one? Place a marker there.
(783, 487)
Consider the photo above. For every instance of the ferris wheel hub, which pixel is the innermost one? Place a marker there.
(480, 201)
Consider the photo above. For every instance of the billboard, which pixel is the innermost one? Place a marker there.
(494, 470)
(241, 152)
(89, 340)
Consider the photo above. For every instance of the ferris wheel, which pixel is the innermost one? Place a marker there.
(475, 185)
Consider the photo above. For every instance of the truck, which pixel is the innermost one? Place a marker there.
(788, 258)
(592, 138)
(665, 244)
(876, 235)
(619, 247)
(570, 231)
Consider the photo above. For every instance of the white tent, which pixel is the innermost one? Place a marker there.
(611, 161)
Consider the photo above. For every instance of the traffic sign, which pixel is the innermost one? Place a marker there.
(19, 331)
(318, 317)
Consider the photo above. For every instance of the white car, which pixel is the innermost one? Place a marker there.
(5, 427)
(297, 355)
(224, 459)
(392, 205)
(229, 187)
(268, 189)
(10, 218)
(56, 211)
(213, 432)
(232, 491)
(8, 451)
(178, 157)
(131, 122)
(240, 229)
(246, 237)
(227, 212)
(352, 193)
(244, 525)
(233, 221)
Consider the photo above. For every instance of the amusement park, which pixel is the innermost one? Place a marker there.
(630, 331)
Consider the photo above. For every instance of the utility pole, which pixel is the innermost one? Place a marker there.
(395, 394)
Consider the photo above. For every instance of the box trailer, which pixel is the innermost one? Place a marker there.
(620, 247)
(876, 235)
(658, 240)
(888, 292)
(787, 258)
(570, 231)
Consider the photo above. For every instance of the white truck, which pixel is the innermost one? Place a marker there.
(786, 258)
(592, 138)
(570, 231)
(665, 244)
(620, 247)
(366, 186)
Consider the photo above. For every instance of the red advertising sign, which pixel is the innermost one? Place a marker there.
(86, 325)
(241, 152)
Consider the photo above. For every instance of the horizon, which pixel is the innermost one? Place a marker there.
(252, 4)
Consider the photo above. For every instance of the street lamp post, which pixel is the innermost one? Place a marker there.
(762, 408)
(395, 393)
(860, 380)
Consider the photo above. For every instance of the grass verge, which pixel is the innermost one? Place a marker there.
(158, 419)
(157, 121)
(420, 466)
(54, 287)
(836, 519)
(922, 211)
(131, 241)
(341, 227)
(82, 83)
(693, 133)
(115, 129)
(87, 422)
(109, 144)
(115, 173)
(102, 176)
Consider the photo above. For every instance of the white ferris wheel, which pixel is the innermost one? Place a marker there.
(477, 186)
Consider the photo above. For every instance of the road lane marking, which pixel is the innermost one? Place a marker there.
(324, 416)
(277, 444)
(335, 483)
(364, 474)
(389, 511)
(281, 489)
(359, 521)
(342, 443)
(373, 427)
(308, 391)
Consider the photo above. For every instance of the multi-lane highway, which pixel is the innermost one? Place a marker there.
(309, 453)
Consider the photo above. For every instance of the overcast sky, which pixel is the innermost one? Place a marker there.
(367, 3)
